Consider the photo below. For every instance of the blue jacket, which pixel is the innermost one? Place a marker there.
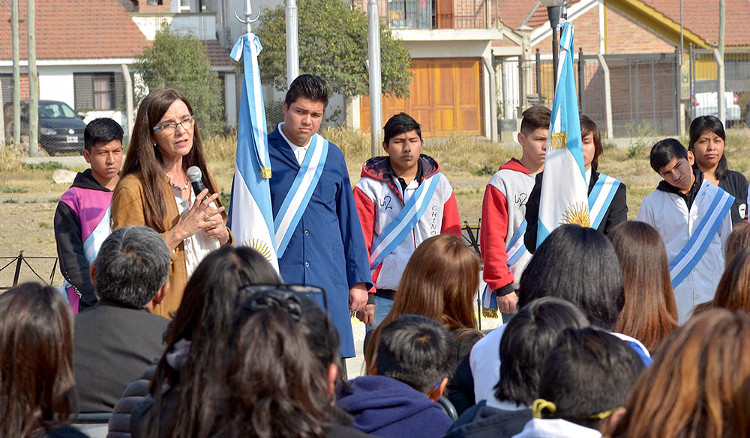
(327, 248)
(386, 407)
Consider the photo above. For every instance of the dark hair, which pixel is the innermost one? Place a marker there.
(691, 389)
(589, 127)
(307, 86)
(132, 265)
(578, 265)
(536, 117)
(527, 339)
(36, 360)
(144, 159)
(415, 350)
(101, 130)
(650, 312)
(701, 124)
(282, 348)
(587, 373)
(399, 124)
(733, 291)
(205, 318)
(665, 151)
(738, 240)
(439, 282)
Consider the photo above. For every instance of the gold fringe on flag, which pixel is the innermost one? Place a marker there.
(489, 313)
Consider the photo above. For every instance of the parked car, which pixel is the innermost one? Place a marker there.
(60, 127)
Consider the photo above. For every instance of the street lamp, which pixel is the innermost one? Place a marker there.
(553, 12)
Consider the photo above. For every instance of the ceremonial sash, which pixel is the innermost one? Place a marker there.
(489, 298)
(299, 194)
(515, 247)
(690, 255)
(601, 197)
(94, 241)
(396, 231)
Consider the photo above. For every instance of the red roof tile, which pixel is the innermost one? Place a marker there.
(702, 18)
(217, 55)
(75, 29)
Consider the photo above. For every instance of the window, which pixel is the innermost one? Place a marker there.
(104, 91)
(98, 91)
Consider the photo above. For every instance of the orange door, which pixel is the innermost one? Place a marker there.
(445, 97)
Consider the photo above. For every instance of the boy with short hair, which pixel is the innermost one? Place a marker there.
(82, 216)
(398, 396)
(692, 217)
(402, 199)
(503, 212)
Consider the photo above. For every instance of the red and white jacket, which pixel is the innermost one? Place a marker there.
(379, 200)
(503, 211)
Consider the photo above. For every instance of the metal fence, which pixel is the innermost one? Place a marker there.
(18, 269)
(704, 85)
(644, 90)
(436, 14)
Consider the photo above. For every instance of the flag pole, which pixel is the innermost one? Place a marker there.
(247, 21)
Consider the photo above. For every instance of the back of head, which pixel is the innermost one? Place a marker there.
(132, 265)
(527, 340)
(399, 124)
(36, 360)
(415, 350)
(204, 318)
(576, 264)
(307, 86)
(650, 312)
(101, 130)
(536, 117)
(278, 375)
(733, 291)
(694, 383)
(587, 375)
(738, 240)
(664, 151)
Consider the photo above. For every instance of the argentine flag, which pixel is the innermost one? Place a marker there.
(564, 195)
(250, 214)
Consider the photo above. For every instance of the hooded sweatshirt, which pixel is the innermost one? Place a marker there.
(386, 407)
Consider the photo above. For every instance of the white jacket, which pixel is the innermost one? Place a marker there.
(556, 428)
(668, 213)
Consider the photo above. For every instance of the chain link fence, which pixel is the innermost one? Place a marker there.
(704, 85)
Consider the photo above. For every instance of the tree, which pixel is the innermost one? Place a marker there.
(178, 61)
(332, 44)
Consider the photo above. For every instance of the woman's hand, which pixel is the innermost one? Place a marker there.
(200, 216)
(217, 228)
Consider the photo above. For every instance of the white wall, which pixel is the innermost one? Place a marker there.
(56, 83)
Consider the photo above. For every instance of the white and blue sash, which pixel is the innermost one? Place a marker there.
(691, 253)
(96, 238)
(514, 249)
(396, 231)
(601, 197)
(299, 194)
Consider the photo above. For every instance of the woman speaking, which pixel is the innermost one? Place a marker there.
(154, 189)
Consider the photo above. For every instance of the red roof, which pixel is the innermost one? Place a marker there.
(702, 18)
(217, 55)
(75, 29)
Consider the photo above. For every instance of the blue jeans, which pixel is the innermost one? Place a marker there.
(382, 307)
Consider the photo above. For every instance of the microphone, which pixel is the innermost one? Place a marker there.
(194, 175)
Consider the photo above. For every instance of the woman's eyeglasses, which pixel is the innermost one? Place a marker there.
(172, 126)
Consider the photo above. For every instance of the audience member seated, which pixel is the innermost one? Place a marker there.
(587, 376)
(650, 313)
(738, 240)
(411, 368)
(283, 369)
(578, 265)
(36, 355)
(529, 336)
(733, 292)
(196, 352)
(439, 282)
(698, 384)
(118, 338)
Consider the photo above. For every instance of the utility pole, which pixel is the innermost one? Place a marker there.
(33, 85)
(16, 75)
(376, 87)
(292, 47)
(720, 94)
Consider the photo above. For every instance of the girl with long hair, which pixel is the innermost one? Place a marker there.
(707, 143)
(154, 189)
(695, 383)
(650, 312)
(36, 363)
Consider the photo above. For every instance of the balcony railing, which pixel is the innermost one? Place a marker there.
(439, 14)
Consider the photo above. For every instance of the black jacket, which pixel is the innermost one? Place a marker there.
(616, 213)
(736, 185)
(481, 421)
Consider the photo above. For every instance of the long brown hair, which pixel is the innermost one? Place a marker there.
(143, 157)
(650, 313)
(738, 240)
(733, 291)
(439, 282)
(36, 360)
(691, 389)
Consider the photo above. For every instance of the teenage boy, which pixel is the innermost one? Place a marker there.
(503, 212)
(402, 199)
(692, 216)
(82, 215)
(319, 235)
(397, 398)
